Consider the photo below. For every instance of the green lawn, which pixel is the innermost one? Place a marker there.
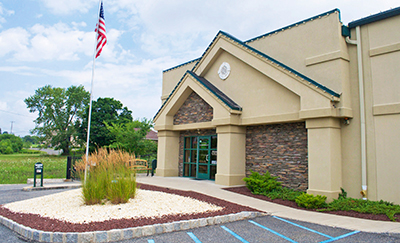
(17, 168)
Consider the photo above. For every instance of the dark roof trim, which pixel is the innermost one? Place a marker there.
(295, 24)
(320, 86)
(375, 17)
(183, 64)
(218, 93)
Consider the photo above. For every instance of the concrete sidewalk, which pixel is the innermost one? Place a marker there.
(210, 188)
(51, 184)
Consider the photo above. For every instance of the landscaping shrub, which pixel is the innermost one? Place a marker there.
(364, 206)
(261, 184)
(268, 186)
(109, 177)
(284, 193)
(310, 201)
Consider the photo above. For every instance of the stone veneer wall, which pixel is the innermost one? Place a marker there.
(187, 134)
(193, 110)
(280, 149)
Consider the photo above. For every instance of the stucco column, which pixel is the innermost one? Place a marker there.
(168, 154)
(231, 167)
(324, 157)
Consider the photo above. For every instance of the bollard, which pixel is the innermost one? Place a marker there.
(38, 170)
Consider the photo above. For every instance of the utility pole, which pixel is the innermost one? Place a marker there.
(11, 126)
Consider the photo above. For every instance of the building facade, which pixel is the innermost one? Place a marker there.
(315, 103)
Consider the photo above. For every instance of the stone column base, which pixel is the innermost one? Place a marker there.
(330, 195)
(229, 180)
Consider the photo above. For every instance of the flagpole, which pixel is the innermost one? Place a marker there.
(91, 94)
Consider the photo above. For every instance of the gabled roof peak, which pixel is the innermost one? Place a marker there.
(251, 49)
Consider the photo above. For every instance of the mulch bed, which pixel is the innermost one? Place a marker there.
(245, 191)
(38, 222)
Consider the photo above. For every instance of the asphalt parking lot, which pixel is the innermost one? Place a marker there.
(260, 229)
(267, 229)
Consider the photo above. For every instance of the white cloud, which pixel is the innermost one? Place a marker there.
(13, 40)
(58, 42)
(14, 109)
(65, 7)
(77, 25)
(3, 105)
(4, 12)
(171, 27)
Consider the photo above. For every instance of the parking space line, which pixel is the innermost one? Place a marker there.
(303, 227)
(193, 237)
(234, 234)
(340, 237)
(272, 231)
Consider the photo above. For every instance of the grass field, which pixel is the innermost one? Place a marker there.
(17, 168)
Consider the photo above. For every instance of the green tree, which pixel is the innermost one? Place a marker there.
(29, 140)
(9, 143)
(59, 109)
(104, 110)
(131, 137)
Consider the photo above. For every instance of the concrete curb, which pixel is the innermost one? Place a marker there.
(30, 181)
(122, 234)
(52, 187)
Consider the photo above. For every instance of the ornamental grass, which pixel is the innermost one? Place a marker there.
(109, 178)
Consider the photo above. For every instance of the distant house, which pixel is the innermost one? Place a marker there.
(151, 135)
(315, 103)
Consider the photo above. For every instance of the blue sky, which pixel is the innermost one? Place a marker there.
(51, 42)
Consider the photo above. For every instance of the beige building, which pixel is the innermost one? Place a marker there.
(315, 103)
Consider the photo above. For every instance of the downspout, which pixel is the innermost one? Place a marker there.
(362, 112)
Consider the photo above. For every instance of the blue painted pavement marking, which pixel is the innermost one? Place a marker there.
(234, 234)
(272, 231)
(150, 241)
(193, 237)
(340, 237)
(300, 226)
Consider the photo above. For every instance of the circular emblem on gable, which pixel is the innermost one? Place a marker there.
(224, 70)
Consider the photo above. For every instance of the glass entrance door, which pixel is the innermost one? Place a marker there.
(203, 158)
(200, 157)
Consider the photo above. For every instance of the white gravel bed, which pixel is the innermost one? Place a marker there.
(68, 206)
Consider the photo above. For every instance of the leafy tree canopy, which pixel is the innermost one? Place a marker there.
(104, 110)
(131, 137)
(9, 143)
(31, 139)
(58, 111)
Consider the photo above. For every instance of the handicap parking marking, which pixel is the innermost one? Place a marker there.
(303, 227)
(234, 234)
(331, 238)
(150, 241)
(194, 238)
(340, 237)
(272, 231)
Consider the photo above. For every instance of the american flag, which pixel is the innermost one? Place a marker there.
(101, 31)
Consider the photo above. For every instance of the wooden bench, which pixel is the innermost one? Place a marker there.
(139, 165)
